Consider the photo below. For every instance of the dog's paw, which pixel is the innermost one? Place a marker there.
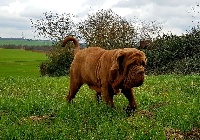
(129, 110)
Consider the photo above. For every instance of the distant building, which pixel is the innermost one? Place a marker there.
(145, 44)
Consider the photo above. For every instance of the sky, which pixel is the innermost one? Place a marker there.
(176, 16)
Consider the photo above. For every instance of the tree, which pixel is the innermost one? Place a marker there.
(54, 26)
(107, 30)
(195, 13)
(148, 30)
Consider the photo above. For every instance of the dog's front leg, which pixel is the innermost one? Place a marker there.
(130, 96)
(107, 96)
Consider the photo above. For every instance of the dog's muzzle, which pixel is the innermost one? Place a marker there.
(135, 77)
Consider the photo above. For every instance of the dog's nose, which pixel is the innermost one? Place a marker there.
(141, 72)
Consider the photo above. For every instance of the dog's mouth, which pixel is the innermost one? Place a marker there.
(134, 78)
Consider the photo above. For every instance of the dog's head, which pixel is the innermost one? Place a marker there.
(127, 70)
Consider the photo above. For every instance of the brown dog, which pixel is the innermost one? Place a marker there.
(106, 71)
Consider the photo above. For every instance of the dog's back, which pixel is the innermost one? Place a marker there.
(85, 65)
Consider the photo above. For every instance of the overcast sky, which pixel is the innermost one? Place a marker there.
(175, 15)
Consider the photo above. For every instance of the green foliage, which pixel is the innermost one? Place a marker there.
(35, 108)
(168, 54)
(54, 26)
(107, 30)
(175, 54)
(58, 64)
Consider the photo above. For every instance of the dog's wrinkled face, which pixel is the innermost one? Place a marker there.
(134, 75)
(129, 68)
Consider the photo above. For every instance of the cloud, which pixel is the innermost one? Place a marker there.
(11, 32)
(156, 8)
(162, 3)
(100, 4)
(6, 2)
(174, 3)
(12, 18)
(13, 8)
(32, 12)
(175, 15)
(132, 3)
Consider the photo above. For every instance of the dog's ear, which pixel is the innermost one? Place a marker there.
(117, 67)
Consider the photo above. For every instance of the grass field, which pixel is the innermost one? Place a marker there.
(25, 42)
(33, 107)
(20, 62)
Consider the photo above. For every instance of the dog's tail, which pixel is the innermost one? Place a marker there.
(75, 41)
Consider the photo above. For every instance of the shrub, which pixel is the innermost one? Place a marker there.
(175, 54)
(58, 64)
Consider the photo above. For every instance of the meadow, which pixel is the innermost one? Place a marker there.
(33, 107)
(15, 62)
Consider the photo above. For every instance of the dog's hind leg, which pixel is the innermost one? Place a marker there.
(74, 87)
(98, 96)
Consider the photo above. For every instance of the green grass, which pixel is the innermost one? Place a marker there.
(25, 42)
(20, 62)
(165, 104)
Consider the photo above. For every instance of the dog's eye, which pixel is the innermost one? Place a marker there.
(135, 63)
(143, 63)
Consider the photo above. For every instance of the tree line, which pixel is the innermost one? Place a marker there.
(166, 53)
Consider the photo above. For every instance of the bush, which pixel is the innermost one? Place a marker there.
(58, 64)
(175, 54)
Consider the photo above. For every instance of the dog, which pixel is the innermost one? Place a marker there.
(106, 71)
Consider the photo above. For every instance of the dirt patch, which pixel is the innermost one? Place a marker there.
(145, 113)
(37, 118)
(174, 134)
(194, 134)
(158, 105)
